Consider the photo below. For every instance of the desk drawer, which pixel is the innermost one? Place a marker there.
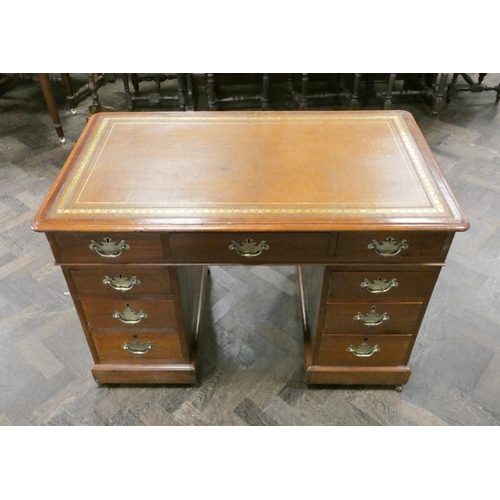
(381, 285)
(365, 350)
(249, 248)
(130, 315)
(390, 246)
(109, 248)
(141, 348)
(117, 281)
(365, 317)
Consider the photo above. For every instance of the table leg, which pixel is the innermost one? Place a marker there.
(51, 104)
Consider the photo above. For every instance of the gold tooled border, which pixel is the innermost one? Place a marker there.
(437, 209)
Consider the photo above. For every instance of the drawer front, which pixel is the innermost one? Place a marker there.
(387, 247)
(381, 285)
(130, 315)
(107, 248)
(249, 248)
(116, 281)
(368, 318)
(367, 350)
(141, 348)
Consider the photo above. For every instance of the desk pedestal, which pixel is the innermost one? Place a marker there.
(142, 312)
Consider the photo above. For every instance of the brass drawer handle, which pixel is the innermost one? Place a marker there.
(380, 285)
(108, 248)
(364, 350)
(249, 248)
(137, 347)
(128, 316)
(373, 318)
(389, 247)
(121, 283)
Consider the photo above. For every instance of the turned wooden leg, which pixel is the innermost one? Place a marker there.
(303, 92)
(51, 104)
(341, 84)
(438, 96)
(126, 86)
(135, 82)
(290, 91)
(95, 80)
(128, 95)
(95, 107)
(191, 94)
(469, 80)
(354, 104)
(70, 95)
(158, 81)
(265, 91)
(210, 87)
(390, 88)
(181, 91)
(452, 88)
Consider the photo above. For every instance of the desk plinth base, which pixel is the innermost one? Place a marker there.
(144, 374)
(397, 375)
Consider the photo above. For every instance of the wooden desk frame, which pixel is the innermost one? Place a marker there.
(355, 200)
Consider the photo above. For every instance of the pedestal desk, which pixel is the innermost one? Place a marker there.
(354, 200)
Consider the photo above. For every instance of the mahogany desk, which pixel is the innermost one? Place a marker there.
(355, 200)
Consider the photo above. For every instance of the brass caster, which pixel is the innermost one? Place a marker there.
(399, 388)
(73, 112)
(63, 140)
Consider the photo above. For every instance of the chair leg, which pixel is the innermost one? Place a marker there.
(181, 91)
(95, 81)
(128, 95)
(70, 95)
(438, 101)
(450, 94)
(390, 87)
(370, 85)
(135, 82)
(289, 86)
(210, 88)
(354, 104)
(303, 94)
(191, 94)
(265, 91)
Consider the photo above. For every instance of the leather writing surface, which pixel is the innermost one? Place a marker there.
(285, 167)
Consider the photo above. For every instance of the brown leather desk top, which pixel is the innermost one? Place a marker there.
(230, 171)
